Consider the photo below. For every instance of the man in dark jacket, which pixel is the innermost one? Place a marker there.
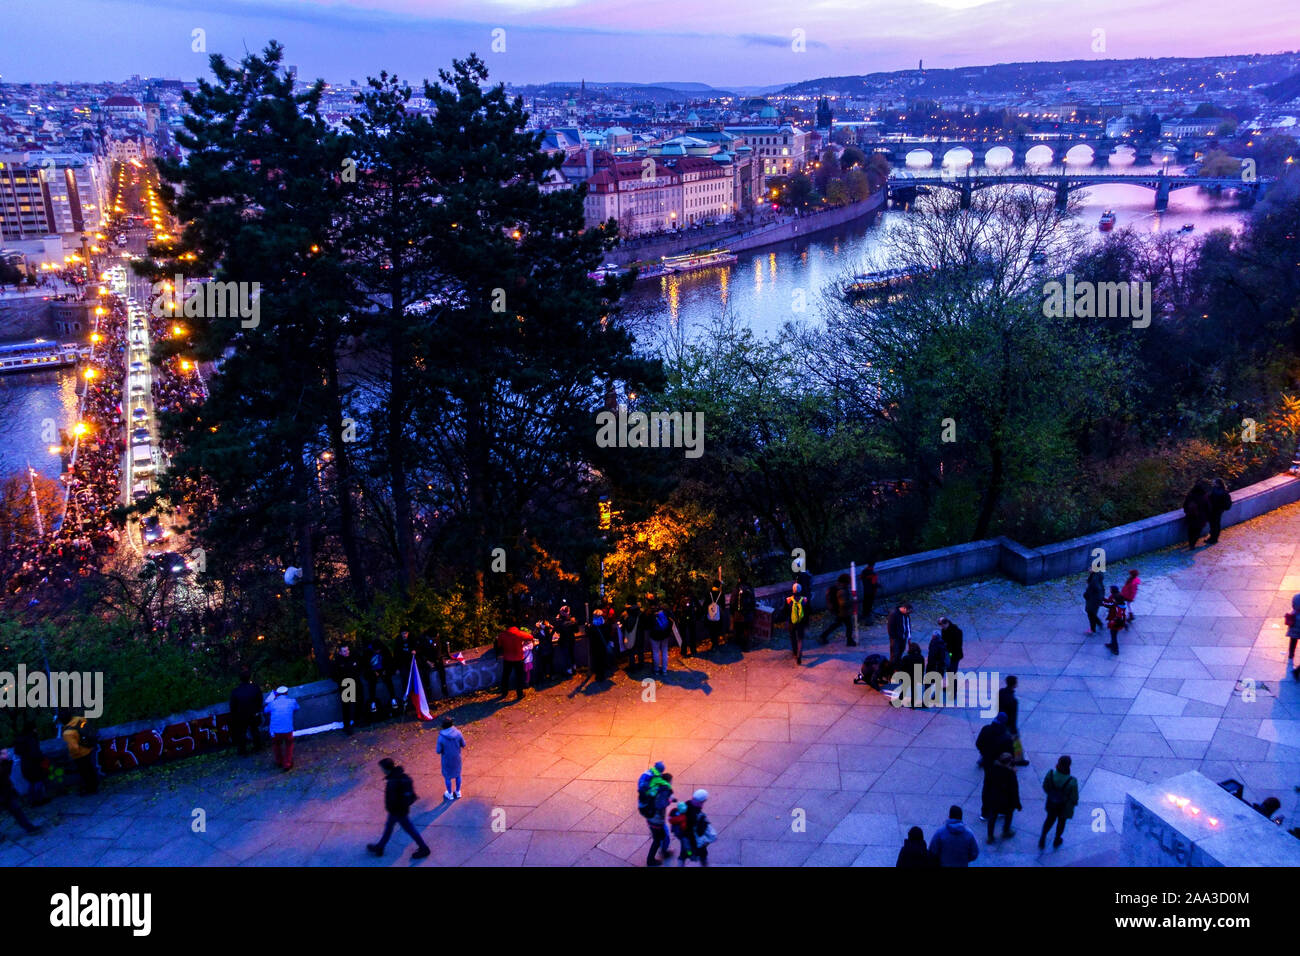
(993, 741)
(1009, 705)
(378, 671)
(744, 611)
(246, 713)
(954, 844)
(346, 672)
(1196, 507)
(1001, 795)
(1220, 501)
(600, 640)
(566, 633)
(899, 627)
(433, 653)
(399, 796)
(952, 640)
(543, 653)
(870, 587)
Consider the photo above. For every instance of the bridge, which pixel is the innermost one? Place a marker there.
(903, 186)
(1100, 149)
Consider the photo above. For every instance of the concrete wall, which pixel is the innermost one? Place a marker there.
(899, 576)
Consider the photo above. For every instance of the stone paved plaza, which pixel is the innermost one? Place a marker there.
(768, 739)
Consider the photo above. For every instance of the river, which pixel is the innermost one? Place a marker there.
(763, 289)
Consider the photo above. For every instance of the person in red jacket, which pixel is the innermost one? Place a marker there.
(511, 643)
(1130, 590)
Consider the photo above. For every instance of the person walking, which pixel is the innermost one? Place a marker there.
(839, 604)
(660, 799)
(1094, 595)
(1001, 795)
(796, 609)
(9, 793)
(1009, 704)
(346, 672)
(1219, 502)
(993, 740)
(246, 713)
(694, 830)
(81, 743)
(450, 744)
(1196, 509)
(511, 644)
(32, 763)
(280, 710)
(915, 855)
(1116, 617)
(1062, 797)
(899, 627)
(954, 844)
(1130, 592)
(399, 797)
(952, 640)
(870, 588)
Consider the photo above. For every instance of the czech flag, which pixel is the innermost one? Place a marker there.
(415, 691)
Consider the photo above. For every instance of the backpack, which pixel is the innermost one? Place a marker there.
(796, 610)
(661, 620)
(1056, 796)
(645, 799)
(715, 612)
(408, 792)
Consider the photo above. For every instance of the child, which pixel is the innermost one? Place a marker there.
(1116, 617)
(528, 660)
(1130, 591)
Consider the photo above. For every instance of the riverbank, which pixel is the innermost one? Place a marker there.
(746, 238)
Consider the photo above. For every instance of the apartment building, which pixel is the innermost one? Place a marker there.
(781, 150)
(48, 193)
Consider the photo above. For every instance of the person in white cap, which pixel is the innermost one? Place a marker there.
(280, 710)
(694, 829)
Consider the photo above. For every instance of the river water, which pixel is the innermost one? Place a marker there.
(764, 290)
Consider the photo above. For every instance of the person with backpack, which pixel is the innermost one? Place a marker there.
(839, 604)
(692, 828)
(1062, 797)
(1116, 617)
(1094, 596)
(1218, 503)
(659, 799)
(1130, 592)
(715, 613)
(81, 742)
(744, 612)
(660, 633)
(399, 797)
(796, 609)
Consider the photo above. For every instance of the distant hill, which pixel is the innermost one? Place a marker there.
(1284, 90)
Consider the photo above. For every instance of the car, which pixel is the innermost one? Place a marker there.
(169, 562)
(152, 529)
(140, 436)
(139, 413)
(140, 492)
(137, 366)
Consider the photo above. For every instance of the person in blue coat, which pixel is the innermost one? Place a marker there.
(954, 844)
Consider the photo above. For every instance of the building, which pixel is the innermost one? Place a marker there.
(1183, 127)
(781, 150)
(124, 108)
(42, 194)
(641, 195)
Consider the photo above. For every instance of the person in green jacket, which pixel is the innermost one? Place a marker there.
(1062, 797)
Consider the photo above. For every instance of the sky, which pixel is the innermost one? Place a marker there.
(739, 43)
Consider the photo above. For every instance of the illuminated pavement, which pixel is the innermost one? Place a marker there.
(768, 740)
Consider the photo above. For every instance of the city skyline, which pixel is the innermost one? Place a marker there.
(603, 42)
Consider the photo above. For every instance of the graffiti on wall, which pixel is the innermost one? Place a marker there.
(148, 747)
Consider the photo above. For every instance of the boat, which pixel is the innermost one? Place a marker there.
(36, 355)
(1107, 221)
(1187, 227)
(608, 270)
(883, 279)
(694, 261)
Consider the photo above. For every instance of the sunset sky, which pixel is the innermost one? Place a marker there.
(720, 42)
